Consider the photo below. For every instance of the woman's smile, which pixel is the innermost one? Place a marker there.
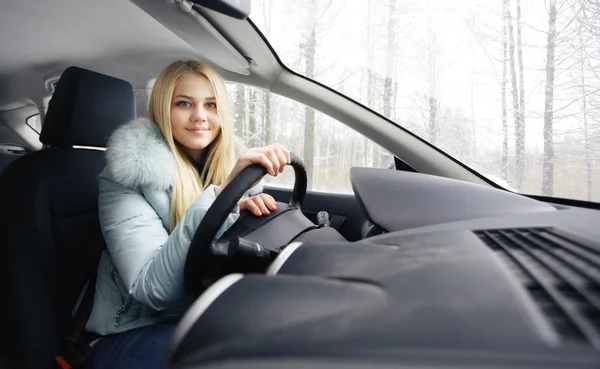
(198, 130)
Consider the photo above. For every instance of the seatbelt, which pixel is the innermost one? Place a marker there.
(75, 348)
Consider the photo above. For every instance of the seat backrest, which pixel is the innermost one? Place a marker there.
(8, 156)
(50, 235)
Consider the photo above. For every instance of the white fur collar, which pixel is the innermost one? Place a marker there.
(138, 155)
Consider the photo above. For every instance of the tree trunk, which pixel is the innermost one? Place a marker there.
(519, 155)
(395, 117)
(327, 157)
(588, 161)
(240, 109)
(548, 167)
(520, 128)
(369, 155)
(473, 146)
(432, 101)
(389, 56)
(504, 163)
(268, 139)
(433, 129)
(309, 113)
(252, 126)
(368, 144)
(586, 143)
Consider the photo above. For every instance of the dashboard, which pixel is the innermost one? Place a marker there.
(460, 276)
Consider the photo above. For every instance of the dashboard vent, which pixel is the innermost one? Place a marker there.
(562, 274)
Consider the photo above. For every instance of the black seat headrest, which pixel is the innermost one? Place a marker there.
(86, 108)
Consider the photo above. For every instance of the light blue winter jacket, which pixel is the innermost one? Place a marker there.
(140, 275)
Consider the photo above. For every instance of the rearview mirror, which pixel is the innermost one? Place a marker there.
(239, 9)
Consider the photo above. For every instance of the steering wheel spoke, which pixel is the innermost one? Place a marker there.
(240, 247)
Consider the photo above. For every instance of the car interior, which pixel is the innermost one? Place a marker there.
(437, 266)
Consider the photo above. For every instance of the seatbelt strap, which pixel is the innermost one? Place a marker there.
(83, 312)
(76, 351)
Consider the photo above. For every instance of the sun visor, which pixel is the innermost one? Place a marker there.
(196, 31)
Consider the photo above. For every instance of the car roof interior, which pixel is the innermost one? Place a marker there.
(134, 40)
(125, 39)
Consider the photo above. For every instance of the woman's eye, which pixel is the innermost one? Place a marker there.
(183, 103)
(211, 105)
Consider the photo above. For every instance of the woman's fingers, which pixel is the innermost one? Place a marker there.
(261, 204)
(250, 206)
(258, 200)
(259, 157)
(283, 156)
(269, 201)
(278, 156)
(274, 159)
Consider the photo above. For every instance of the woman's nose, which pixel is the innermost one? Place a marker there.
(200, 113)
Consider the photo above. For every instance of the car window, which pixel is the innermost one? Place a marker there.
(508, 87)
(327, 147)
(34, 122)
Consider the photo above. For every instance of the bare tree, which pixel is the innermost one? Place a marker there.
(390, 58)
(471, 23)
(519, 149)
(309, 49)
(267, 15)
(316, 17)
(240, 108)
(548, 166)
(368, 144)
(503, 82)
(389, 93)
(577, 57)
(253, 140)
(584, 108)
(428, 101)
(268, 136)
(520, 127)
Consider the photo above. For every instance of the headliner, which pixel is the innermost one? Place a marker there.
(125, 39)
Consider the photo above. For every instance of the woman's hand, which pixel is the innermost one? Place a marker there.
(261, 204)
(273, 158)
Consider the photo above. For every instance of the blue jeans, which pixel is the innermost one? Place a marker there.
(139, 348)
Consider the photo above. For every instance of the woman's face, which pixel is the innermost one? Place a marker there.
(194, 118)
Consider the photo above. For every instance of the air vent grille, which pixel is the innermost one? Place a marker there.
(561, 273)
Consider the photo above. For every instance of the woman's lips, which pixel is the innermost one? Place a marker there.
(198, 130)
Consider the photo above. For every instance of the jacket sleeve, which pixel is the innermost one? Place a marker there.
(150, 262)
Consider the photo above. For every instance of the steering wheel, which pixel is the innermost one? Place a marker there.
(208, 259)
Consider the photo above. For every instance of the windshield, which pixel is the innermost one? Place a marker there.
(508, 87)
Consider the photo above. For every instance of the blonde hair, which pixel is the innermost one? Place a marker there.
(220, 157)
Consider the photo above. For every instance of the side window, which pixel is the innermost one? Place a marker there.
(34, 122)
(328, 148)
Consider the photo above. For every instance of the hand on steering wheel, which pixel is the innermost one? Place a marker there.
(273, 158)
(202, 262)
(261, 204)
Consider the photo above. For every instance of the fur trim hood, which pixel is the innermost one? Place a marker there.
(138, 156)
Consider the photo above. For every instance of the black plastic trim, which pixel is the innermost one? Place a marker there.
(566, 202)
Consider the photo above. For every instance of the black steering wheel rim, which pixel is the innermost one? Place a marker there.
(199, 252)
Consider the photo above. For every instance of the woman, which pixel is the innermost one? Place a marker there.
(163, 173)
